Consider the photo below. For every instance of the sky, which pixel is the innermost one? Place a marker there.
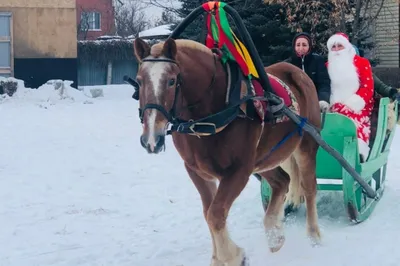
(152, 11)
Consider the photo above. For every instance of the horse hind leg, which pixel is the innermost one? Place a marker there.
(278, 179)
(305, 157)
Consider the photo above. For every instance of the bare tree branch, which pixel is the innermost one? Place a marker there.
(130, 18)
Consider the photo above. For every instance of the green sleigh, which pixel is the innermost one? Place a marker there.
(340, 133)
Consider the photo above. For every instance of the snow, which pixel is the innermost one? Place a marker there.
(163, 30)
(76, 188)
(46, 95)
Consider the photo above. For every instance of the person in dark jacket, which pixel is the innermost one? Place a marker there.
(314, 66)
(380, 87)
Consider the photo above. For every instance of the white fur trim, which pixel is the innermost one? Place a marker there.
(337, 38)
(356, 103)
(363, 149)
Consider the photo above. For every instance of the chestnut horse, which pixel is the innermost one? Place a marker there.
(183, 77)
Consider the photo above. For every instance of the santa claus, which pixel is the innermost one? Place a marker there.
(352, 87)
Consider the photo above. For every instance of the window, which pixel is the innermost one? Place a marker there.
(90, 21)
(6, 62)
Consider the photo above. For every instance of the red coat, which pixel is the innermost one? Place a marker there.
(364, 90)
(356, 101)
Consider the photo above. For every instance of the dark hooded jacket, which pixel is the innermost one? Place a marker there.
(314, 65)
(379, 86)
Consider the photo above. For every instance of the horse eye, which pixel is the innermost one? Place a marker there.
(171, 82)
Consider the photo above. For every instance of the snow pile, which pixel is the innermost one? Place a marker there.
(50, 93)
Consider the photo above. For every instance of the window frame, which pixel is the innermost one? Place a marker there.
(4, 39)
(91, 21)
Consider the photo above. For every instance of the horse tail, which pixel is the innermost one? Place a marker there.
(307, 92)
(295, 194)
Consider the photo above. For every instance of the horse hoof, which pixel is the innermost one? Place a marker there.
(239, 260)
(215, 262)
(315, 237)
(276, 239)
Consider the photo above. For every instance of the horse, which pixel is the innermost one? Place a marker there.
(183, 78)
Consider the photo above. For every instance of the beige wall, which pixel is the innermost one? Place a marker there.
(43, 28)
(39, 3)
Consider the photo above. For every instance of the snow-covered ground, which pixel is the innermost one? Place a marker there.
(76, 188)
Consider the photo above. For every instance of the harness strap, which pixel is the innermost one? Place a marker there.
(210, 124)
(299, 130)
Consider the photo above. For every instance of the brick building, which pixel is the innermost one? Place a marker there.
(95, 18)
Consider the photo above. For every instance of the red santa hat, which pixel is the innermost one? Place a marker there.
(341, 38)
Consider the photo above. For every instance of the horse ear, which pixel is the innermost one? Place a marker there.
(142, 49)
(169, 49)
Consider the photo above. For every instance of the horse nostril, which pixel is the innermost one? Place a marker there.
(160, 142)
(143, 141)
(148, 148)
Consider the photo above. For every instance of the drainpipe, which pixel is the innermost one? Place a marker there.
(109, 72)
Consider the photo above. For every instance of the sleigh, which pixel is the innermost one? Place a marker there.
(338, 161)
(340, 133)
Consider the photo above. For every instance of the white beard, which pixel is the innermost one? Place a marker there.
(343, 74)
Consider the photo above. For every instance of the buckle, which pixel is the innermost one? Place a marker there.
(203, 124)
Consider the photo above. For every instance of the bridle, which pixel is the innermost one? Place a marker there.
(177, 124)
(205, 126)
(171, 114)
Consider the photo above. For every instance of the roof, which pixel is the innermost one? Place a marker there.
(162, 30)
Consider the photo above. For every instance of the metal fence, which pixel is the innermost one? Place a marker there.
(90, 73)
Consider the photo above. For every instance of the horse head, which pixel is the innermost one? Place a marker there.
(158, 78)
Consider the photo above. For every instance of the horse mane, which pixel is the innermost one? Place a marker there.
(181, 44)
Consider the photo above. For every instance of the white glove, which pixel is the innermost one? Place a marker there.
(355, 103)
(323, 106)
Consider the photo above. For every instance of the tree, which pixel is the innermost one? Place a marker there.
(167, 17)
(265, 24)
(130, 19)
(83, 25)
(362, 13)
(268, 28)
(319, 18)
(196, 30)
(323, 18)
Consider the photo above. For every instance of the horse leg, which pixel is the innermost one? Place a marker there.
(207, 189)
(305, 157)
(278, 179)
(227, 252)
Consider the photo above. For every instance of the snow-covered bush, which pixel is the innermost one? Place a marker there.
(8, 86)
